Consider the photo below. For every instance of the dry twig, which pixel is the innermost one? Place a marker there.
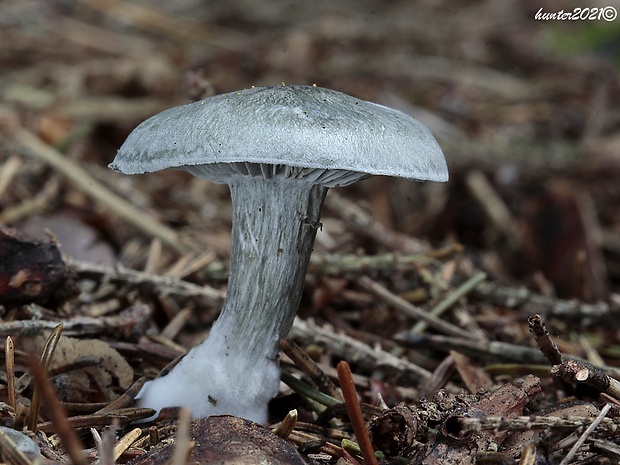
(411, 310)
(153, 283)
(72, 445)
(37, 148)
(585, 435)
(511, 297)
(310, 368)
(351, 349)
(355, 413)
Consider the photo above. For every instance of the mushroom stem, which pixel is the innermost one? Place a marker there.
(235, 371)
(274, 225)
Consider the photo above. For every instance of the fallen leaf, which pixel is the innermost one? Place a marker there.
(112, 374)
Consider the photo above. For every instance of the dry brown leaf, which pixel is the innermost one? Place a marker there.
(111, 373)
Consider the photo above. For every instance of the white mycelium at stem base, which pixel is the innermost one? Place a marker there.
(235, 371)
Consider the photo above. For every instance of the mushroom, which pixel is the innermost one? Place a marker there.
(279, 149)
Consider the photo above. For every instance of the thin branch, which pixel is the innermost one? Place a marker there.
(9, 359)
(72, 445)
(78, 325)
(38, 149)
(411, 310)
(355, 413)
(586, 433)
(303, 361)
(349, 348)
(530, 423)
(451, 299)
(156, 284)
(512, 297)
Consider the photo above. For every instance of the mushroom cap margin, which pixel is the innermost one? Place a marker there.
(300, 126)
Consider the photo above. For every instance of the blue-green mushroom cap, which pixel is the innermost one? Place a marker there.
(304, 128)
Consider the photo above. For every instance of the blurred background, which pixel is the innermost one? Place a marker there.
(526, 111)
